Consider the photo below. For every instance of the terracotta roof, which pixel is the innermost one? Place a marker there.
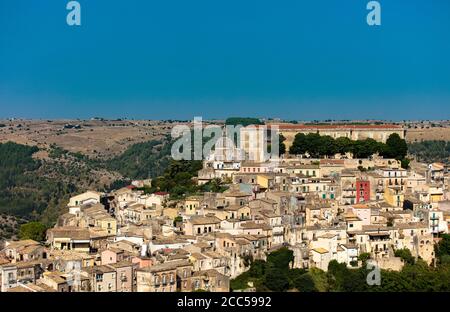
(198, 220)
(336, 127)
(70, 232)
(167, 266)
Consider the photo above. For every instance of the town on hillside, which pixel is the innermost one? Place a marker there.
(319, 206)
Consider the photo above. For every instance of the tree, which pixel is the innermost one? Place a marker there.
(276, 279)
(177, 219)
(32, 230)
(282, 147)
(243, 121)
(396, 147)
(365, 148)
(405, 163)
(304, 283)
(405, 255)
(343, 145)
(281, 258)
(257, 268)
(364, 257)
(443, 248)
(327, 146)
(298, 147)
(313, 144)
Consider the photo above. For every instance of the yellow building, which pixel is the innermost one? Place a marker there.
(69, 238)
(263, 181)
(394, 196)
(107, 223)
(172, 213)
(191, 205)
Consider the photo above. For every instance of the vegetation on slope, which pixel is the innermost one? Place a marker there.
(38, 190)
(24, 192)
(430, 151)
(416, 276)
(142, 160)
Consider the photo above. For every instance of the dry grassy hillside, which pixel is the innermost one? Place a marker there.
(92, 138)
(430, 134)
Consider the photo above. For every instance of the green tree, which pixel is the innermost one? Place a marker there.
(281, 258)
(364, 257)
(396, 147)
(405, 163)
(177, 219)
(298, 147)
(282, 147)
(33, 230)
(327, 146)
(405, 255)
(443, 248)
(276, 279)
(343, 145)
(243, 121)
(304, 283)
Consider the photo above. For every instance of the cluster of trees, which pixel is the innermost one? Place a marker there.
(319, 146)
(275, 274)
(179, 180)
(142, 160)
(24, 192)
(33, 230)
(243, 121)
(430, 151)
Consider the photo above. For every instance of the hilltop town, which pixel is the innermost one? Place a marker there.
(321, 209)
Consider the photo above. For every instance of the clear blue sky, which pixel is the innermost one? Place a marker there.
(293, 59)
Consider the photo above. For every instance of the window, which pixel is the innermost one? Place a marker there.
(99, 277)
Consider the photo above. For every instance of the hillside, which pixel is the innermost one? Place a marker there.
(35, 184)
